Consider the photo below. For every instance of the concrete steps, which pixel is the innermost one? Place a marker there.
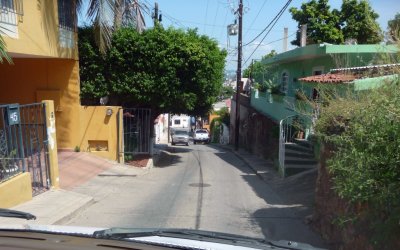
(299, 157)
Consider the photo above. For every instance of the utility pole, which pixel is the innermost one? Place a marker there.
(238, 77)
(155, 17)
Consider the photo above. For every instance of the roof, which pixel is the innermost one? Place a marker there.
(381, 66)
(329, 78)
(345, 75)
(319, 50)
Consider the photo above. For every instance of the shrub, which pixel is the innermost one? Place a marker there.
(364, 129)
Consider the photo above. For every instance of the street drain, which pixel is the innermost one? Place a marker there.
(116, 175)
(199, 185)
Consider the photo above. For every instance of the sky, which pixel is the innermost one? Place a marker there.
(211, 18)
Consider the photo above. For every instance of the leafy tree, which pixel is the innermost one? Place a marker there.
(225, 93)
(394, 28)
(168, 70)
(359, 22)
(323, 25)
(258, 67)
(355, 20)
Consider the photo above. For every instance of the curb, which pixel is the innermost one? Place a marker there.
(244, 160)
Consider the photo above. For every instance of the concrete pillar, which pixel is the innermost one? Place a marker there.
(52, 146)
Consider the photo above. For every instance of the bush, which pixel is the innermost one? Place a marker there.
(364, 129)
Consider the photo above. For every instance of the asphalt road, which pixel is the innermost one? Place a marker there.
(195, 187)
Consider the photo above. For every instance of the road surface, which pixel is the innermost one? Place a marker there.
(196, 187)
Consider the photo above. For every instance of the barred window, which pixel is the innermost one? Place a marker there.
(66, 14)
(7, 5)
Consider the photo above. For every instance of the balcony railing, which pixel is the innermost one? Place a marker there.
(11, 11)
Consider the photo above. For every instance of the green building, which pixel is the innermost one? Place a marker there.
(339, 67)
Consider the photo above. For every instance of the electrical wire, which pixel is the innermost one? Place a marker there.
(254, 20)
(276, 20)
(272, 21)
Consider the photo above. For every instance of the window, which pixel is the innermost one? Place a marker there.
(66, 14)
(11, 12)
(284, 82)
(7, 5)
(177, 122)
(319, 70)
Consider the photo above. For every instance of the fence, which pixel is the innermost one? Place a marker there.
(136, 125)
(23, 144)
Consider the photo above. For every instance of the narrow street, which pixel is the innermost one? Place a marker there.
(196, 187)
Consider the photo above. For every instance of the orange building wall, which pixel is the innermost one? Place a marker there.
(32, 80)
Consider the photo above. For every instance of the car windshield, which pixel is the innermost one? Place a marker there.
(180, 132)
(201, 132)
(275, 120)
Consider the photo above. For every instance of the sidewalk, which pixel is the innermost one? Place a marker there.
(296, 189)
(58, 205)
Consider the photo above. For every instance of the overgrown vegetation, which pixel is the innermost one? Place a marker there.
(364, 131)
(216, 124)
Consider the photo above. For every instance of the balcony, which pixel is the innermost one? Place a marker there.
(11, 13)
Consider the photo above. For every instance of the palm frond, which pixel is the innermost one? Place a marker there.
(101, 13)
(3, 48)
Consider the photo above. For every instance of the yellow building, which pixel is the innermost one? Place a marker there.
(41, 37)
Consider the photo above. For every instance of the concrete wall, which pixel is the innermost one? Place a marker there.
(38, 32)
(32, 80)
(16, 190)
(99, 132)
(259, 134)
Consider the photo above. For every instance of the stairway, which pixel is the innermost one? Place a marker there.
(299, 156)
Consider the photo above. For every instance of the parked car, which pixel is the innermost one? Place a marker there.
(180, 136)
(201, 135)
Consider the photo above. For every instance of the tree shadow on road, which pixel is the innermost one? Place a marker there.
(168, 156)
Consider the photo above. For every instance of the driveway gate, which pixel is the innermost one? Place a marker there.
(136, 124)
(23, 144)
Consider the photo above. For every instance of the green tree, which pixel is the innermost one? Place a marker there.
(394, 28)
(258, 68)
(225, 93)
(323, 25)
(359, 22)
(168, 70)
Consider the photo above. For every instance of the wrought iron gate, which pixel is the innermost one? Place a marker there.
(23, 144)
(136, 128)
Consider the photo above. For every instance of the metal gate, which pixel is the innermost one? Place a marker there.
(136, 128)
(23, 144)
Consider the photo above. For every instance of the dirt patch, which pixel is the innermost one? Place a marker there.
(139, 161)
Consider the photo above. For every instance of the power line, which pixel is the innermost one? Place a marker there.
(254, 20)
(273, 24)
(272, 21)
(205, 19)
(215, 19)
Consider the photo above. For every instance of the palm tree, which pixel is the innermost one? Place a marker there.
(3, 51)
(109, 15)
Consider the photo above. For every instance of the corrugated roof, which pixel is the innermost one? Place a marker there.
(329, 78)
(394, 65)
